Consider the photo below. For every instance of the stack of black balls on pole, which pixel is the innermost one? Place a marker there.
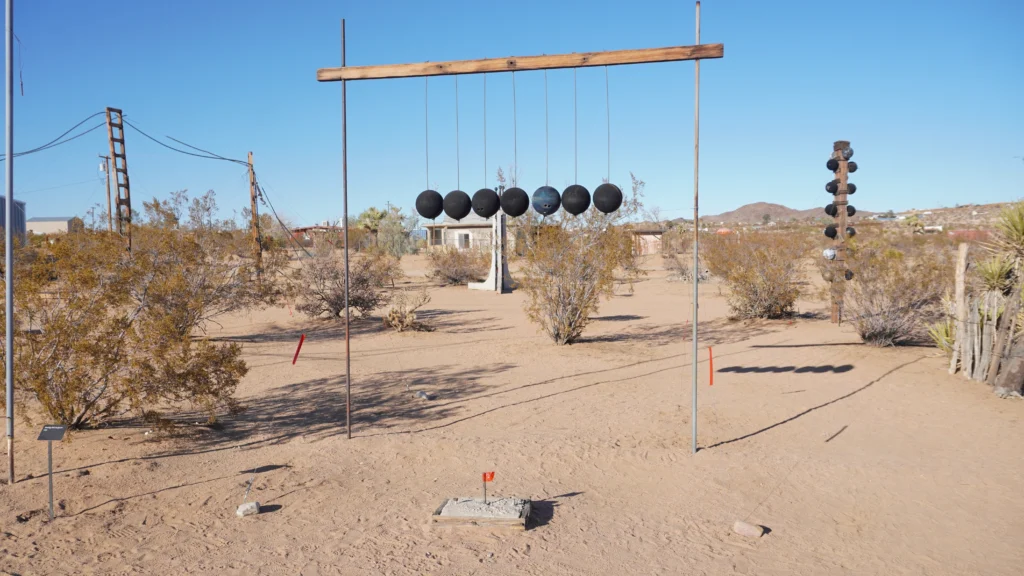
(515, 201)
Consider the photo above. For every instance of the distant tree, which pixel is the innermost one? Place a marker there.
(395, 232)
(766, 218)
(370, 221)
(889, 214)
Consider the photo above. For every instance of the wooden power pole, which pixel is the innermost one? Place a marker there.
(258, 249)
(115, 133)
(110, 211)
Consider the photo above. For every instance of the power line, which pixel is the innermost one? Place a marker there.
(208, 155)
(266, 201)
(59, 139)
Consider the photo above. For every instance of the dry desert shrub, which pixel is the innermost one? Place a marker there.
(402, 315)
(452, 266)
(321, 282)
(893, 295)
(762, 271)
(105, 334)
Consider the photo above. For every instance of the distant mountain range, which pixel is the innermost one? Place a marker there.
(754, 214)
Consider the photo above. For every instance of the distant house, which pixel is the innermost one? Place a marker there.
(472, 232)
(49, 224)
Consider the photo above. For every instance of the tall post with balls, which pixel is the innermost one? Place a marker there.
(839, 209)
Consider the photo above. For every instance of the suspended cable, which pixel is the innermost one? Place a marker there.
(169, 147)
(267, 202)
(575, 134)
(206, 151)
(426, 126)
(515, 134)
(546, 128)
(485, 130)
(458, 166)
(58, 140)
(608, 121)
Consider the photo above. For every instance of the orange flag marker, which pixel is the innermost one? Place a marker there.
(711, 368)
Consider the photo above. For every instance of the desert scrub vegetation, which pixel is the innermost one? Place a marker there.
(570, 262)
(104, 334)
(451, 266)
(320, 283)
(402, 314)
(894, 295)
(762, 271)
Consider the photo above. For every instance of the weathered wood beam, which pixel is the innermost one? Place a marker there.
(520, 63)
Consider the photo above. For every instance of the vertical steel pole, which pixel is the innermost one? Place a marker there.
(9, 241)
(49, 464)
(344, 203)
(696, 229)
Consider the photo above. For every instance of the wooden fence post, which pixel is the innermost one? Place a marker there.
(959, 351)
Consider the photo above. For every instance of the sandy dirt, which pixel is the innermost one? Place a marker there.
(858, 460)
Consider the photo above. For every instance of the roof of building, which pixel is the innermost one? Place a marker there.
(471, 221)
(51, 219)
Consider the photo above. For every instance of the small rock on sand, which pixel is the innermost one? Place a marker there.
(248, 509)
(749, 530)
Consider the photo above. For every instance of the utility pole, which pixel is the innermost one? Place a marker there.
(110, 213)
(115, 133)
(258, 249)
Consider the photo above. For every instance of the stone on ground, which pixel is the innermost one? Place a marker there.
(248, 509)
(749, 530)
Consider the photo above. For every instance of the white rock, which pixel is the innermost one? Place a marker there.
(248, 509)
(749, 530)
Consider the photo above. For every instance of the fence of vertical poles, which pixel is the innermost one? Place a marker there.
(346, 73)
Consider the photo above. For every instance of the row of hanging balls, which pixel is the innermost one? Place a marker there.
(515, 202)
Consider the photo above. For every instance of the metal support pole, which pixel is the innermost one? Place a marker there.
(9, 241)
(344, 202)
(49, 464)
(110, 210)
(696, 229)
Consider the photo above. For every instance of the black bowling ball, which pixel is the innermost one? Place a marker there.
(851, 167)
(607, 198)
(851, 188)
(457, 205)
(832, 187)
(832, 164)
(850, 210)
(514, 202)
(429, 204)
(486, 203)
(576, 199)
(850, 232)
(831, 210)
(830, 231)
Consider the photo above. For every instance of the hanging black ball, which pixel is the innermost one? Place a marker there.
(485, 203)
(514, 202)
(830, 231)
(546, 200)
(832, 187)
(851, 188)
(429, 204)
(831, 210)
(848, 275)
(851, 167)
(850, 210)
(832, 164)
(457, 205)
(576, 199)
(850, 232)
(607, 198)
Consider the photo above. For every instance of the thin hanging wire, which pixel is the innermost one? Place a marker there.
(575, 134)
(608, 121)
(515, 135)
(426, 126)
(485, 130)
(458, 166)
(546, 128)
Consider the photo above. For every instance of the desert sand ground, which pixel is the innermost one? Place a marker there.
(859, 460)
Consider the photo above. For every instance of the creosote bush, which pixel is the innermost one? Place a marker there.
(103, 334)
(893, 295)
(321, 282)
(402, 314)
(452, 266)
(763, 271)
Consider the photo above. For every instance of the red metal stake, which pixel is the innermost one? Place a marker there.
(711, 368)
(301, 340)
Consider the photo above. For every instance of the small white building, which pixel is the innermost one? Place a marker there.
(49, 224)
(472, 232)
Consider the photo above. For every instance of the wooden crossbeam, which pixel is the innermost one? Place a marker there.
(520, 63)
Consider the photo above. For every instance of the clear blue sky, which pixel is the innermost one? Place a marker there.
(929, 92)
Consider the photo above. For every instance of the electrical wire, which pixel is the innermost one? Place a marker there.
(208, 155)
(515, 134)
(458, 165)
(546, 128)
(608, 112)
(59, 139)
(426, 126)
(265, 198)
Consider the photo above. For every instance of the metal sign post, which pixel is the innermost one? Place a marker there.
(50, 433)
